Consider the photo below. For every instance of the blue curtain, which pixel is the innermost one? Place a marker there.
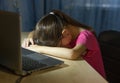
(26, 10)
(100, 14)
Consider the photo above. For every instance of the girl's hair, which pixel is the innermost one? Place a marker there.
(48, 30)
(72, 21)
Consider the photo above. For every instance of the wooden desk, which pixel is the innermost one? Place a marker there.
(78, 71)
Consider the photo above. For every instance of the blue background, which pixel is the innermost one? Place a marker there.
(100, 14)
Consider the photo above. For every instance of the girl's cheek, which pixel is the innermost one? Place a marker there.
(65, 42)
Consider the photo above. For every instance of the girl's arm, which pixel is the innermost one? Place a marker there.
(68, 53)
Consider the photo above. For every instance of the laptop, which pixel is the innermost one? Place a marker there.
(12, 56)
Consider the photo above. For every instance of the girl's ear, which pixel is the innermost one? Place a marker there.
(65, 33)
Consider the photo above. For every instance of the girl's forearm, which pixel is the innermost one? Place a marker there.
(54, 51)
(57, 51)
(68, 53)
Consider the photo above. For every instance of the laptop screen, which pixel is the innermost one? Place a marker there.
(10, 40)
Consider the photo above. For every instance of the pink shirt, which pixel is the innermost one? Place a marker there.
(93, 55)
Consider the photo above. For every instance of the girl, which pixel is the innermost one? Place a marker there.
(59, 35)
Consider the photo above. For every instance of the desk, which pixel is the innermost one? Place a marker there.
(73, 71)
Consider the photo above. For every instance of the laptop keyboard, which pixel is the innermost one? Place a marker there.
(32, 60)
(31, 64)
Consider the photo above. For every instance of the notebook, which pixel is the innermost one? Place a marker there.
(12, 56)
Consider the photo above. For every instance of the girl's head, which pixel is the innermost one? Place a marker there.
(48, 30)
(52, 29)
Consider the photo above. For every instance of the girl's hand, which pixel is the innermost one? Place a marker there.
(35, 48)
(27, 42)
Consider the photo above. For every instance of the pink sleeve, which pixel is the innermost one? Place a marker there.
(88, 39)
(81, 39)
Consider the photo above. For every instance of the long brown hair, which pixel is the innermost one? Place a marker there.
(71, 21)
(49, 28)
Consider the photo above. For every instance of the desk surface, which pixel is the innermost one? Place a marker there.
(78, 71)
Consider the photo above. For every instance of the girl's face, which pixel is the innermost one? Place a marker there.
(65, 39)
